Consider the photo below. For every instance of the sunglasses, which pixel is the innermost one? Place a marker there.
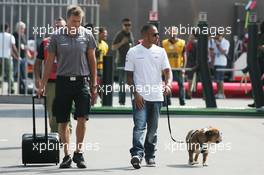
(127, 25)
(155, 34)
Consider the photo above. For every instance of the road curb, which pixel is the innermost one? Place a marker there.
(182, 111)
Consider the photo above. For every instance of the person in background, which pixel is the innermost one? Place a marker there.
(21, 44)
(122, 42)
(221, 49)
(7, 50)
(211, 55)
(191, 50)
(51, 84)
(260, 57)
(175, 49)
(101, 51)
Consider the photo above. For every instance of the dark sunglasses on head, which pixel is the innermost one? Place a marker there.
(155, 34)
(127, 25)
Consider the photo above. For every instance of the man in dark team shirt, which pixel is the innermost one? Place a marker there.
(123, 41)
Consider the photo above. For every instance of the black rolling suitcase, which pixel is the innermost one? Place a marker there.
(40, 148)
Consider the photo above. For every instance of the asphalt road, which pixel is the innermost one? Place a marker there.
(108, 140)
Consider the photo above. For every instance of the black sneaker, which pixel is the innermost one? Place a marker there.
(79, 160)
(136, 161)
(150, 162)
(66, 162)
(252, 105)
(188, 97)
(182, 103)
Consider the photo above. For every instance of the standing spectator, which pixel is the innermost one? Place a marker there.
(221, 49)
(260, 57)
(144, 64)
(175, 49)
(74, 49)
(122, 42)
(7, 49)
(50, 87)
(101, 51)
(211, 54)
(21, 44)
(191, 50)
(261, 50)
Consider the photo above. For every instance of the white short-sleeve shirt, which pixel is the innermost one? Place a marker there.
(6, 41)
(147, 66)
(220, 59)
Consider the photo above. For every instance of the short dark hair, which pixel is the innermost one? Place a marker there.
(126, 20)
(6, 26)
(146, 28)
(102, 29)
(74, 10)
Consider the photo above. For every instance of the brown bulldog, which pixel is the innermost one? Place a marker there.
(198, 142)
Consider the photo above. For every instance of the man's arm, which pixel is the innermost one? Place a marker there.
(119, 41)
(93, 74)
(37, 72)
(168, 77)
(15, 52)
(47, 71)
(220, 48)
(47, 68)
(38, 64)
(184, 57)
(92, 66)
(138, 99)
(130, 82)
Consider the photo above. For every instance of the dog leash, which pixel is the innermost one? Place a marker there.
(169, 125)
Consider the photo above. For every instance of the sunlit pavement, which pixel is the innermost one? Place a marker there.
(108, 140)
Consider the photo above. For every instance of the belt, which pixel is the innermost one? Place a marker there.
(72, 78)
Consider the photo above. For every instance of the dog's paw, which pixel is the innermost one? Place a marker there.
(193, 163)
(205, 164)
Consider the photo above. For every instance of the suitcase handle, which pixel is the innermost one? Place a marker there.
(34, 116)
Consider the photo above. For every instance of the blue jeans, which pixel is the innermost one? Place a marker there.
(22, 68)
(146, 117)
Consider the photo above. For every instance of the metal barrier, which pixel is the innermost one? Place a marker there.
(35, 14)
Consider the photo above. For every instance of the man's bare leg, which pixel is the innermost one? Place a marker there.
(80, 133)
(65, 136)
(65, 139)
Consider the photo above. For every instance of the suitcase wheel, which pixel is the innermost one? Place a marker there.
(25, 164)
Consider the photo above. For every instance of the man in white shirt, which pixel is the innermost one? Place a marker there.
(145, 64)
(221, 49)
(7, 49)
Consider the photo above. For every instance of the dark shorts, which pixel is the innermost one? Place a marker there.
(69, 90)
(219, 75)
